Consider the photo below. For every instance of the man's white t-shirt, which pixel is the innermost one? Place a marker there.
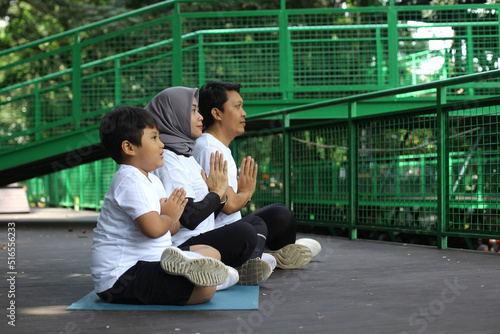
(181, 171)
(118, 242)
(205, 145)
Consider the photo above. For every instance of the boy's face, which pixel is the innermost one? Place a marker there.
(233, 117)
(149, 156)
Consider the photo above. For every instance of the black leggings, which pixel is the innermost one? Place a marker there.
(235, 242)
(280, 222)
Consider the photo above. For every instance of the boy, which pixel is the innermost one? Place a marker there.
(133, 261)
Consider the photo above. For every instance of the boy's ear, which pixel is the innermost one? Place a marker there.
(128, 148)
(216, 113)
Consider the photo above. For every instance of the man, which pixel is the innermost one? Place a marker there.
(224, 119)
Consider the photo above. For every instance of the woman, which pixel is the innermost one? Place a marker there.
(179, 124)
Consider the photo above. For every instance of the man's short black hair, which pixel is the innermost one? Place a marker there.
(213, 94)
(124, 123)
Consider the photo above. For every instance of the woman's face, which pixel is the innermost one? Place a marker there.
(196, 120)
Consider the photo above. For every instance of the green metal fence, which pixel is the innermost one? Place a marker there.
(81, 187)
(431, 171)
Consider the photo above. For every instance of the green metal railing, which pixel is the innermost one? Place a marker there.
(283, 56)
(431, 171)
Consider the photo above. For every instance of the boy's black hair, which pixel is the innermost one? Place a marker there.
(124, 123)
(213, 95)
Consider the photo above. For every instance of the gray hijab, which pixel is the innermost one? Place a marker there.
(172, 110)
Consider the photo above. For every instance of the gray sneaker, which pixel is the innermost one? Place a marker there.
(253, 272)
(204, 271)
(292, 256)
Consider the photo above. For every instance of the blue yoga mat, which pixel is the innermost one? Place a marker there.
(237, 297)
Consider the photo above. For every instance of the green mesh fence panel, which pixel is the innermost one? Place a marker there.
(46, 58)
(267, 151)
(74, 180)
(83, 187)
(55, 108)
(337, 52)
(97, 94)
(319, 167)
(89, 184)
(442, 42)
(36, 192)
(397, 185)
(153, 76)
(474, 178)
(139, 73)
(232, 48)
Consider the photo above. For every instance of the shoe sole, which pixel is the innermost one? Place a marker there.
(253, 272)
(292, 256)
(203, 272)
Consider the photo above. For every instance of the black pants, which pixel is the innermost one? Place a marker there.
(235, 241)
(281, 225)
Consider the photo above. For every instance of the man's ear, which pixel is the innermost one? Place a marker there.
(128, 148)
(216, 114)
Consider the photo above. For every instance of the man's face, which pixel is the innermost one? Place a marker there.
(233, 117)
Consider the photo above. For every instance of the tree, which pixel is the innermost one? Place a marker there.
(30, 20)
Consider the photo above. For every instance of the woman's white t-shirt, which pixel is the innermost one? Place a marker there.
(118, 242)
(181, 171)
(205, 146)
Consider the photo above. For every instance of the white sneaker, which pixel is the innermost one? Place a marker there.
(269, 259)
(204, 272)
(253, 272)
(231, 280)
(313, 245)
(193, 255)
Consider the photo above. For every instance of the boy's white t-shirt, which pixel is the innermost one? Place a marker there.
(118, 242)
(181, 171)
(206, 145)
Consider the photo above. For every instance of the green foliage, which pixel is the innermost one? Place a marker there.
(30, 20)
